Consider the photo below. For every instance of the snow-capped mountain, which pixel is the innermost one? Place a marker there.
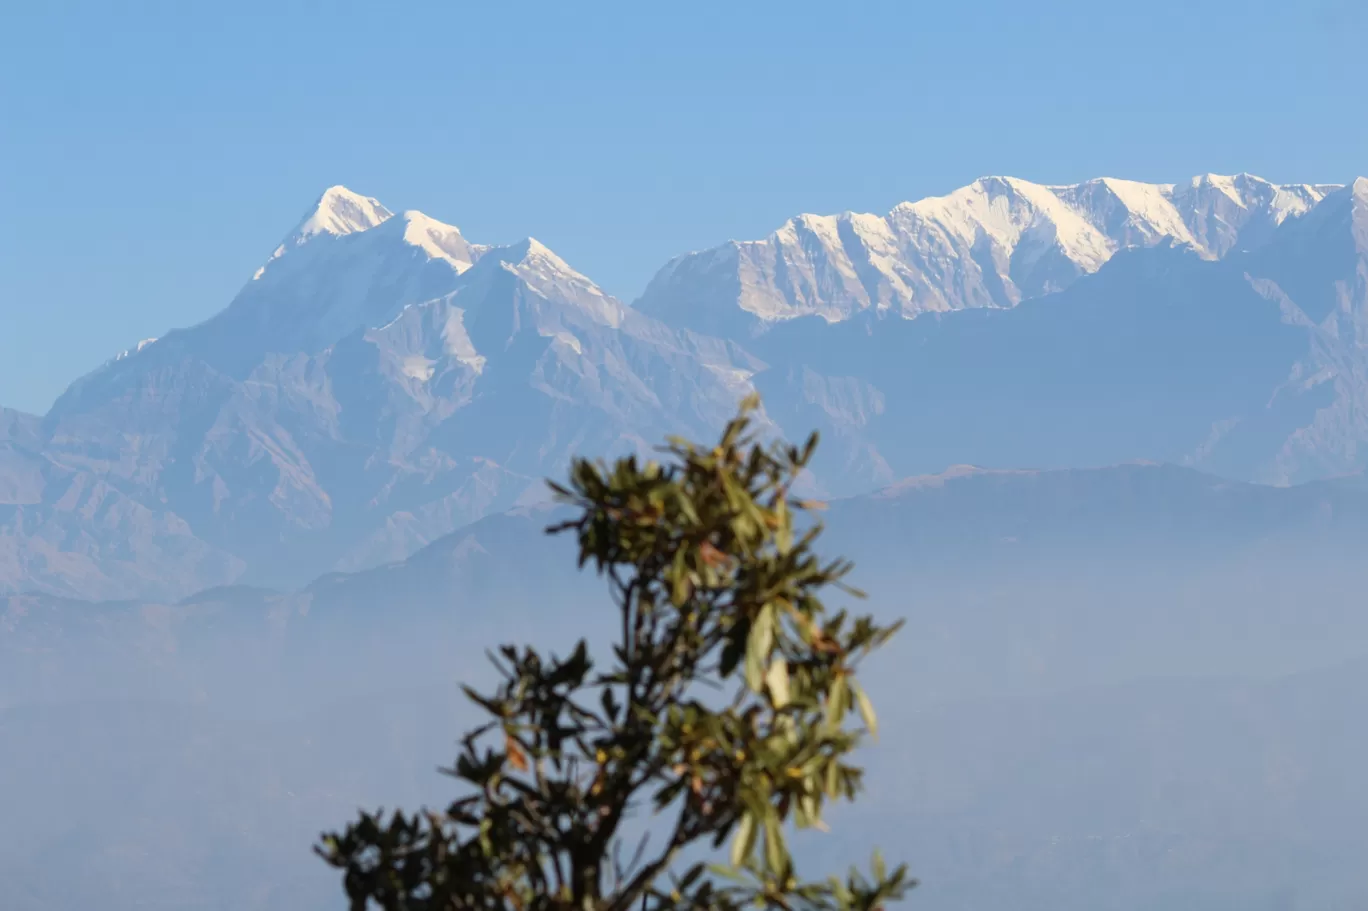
(381, 380)
(1251, 365)
(994, 243)
(378, 382)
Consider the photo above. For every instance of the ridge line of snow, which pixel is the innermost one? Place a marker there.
(991, 243)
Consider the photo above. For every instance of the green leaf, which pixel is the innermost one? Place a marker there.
(758, 647)
(866, 709)
(744, 841)
(776, 854)
(726, 873)
(836, 701)
(777, 681)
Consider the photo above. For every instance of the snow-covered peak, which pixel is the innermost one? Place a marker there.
(536, 249)
(531, 256)
(994, 243)
(1249, 191)
(350, 264)
(1129, 213)
(540, 265)
(437, 239)
(1344, 208)
(338, 212)
(1241, 211)
(551, 291)
(1220, 183)
(1004, 210)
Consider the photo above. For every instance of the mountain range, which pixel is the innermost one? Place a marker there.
(1025, 534)
(381, 381)
(1101, 446)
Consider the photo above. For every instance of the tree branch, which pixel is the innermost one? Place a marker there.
(647, 875)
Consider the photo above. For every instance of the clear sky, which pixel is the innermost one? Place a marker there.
(153, 153)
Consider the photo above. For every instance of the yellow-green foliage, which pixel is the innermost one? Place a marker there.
(730, 708)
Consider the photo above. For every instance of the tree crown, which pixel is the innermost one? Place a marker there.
(729, 708)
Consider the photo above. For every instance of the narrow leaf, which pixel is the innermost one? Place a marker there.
(866, 710)
(744, 842)
(836, 700)
(777, 680)
(776, 854)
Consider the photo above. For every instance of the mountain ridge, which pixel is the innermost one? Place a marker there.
(373, 388)
(991, 243)
(383, 380)
(944, 530)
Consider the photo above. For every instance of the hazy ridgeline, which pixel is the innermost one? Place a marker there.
(1129, 688)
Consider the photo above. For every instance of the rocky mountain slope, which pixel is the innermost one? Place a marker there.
(376, 384)
(381, 380)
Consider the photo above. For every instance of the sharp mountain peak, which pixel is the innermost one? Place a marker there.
(340, 211)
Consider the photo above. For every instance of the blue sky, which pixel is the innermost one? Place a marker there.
(153, 153)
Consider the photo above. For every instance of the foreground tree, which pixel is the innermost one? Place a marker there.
(729, 710)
